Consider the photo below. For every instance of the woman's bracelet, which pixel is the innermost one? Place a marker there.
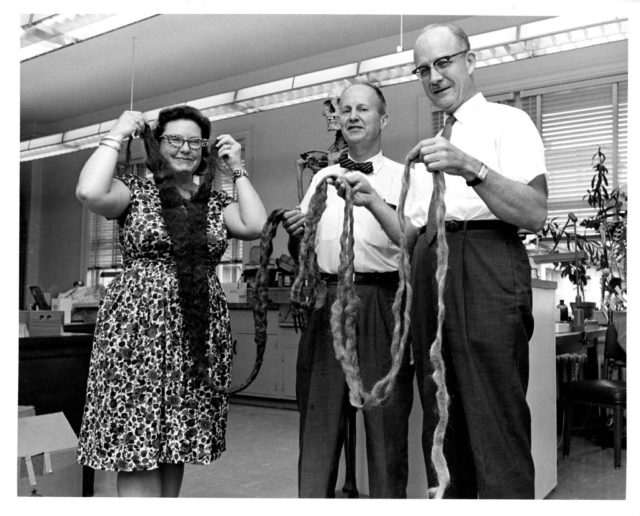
(238, 173)
(111, 143)
(112, 138)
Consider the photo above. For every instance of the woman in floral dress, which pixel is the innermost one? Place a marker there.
(157, 394)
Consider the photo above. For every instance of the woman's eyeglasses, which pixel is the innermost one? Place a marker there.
(440, 64)
(178, 141)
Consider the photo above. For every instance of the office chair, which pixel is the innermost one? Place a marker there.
(605, 393)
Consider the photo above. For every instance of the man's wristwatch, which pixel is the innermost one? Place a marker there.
(480, 176)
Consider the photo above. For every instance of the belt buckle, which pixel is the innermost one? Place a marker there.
(453, 225)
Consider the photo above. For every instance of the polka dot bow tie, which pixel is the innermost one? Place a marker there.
(349, 164)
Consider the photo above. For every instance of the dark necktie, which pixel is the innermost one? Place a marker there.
(432, 229)
(349, 164)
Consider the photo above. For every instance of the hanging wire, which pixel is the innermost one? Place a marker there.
(133, 53)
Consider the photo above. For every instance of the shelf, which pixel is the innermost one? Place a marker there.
(557, 257)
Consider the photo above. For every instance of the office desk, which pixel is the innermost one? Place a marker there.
(52, 376)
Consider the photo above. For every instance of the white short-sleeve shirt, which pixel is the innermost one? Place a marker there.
(503, 137)
(373, 249)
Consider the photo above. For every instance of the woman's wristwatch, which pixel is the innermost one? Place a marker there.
(480, 175)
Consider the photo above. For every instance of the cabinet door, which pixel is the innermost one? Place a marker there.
(289, 386)
(269, 380)
(289, 339)
(268, 383)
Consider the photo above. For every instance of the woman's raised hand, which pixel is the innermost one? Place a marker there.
(229, 150)
(129, 123)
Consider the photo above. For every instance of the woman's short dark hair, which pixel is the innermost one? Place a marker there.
(186, 113)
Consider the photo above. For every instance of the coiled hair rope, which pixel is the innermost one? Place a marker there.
(346, 304)
(435, 351)
(345, 307)
(259, 298)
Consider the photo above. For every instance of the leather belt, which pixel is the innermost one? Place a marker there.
(451, 226)
(365, 277)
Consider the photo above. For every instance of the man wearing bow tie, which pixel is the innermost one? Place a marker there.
(322, 393)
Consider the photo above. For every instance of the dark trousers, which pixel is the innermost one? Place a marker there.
(486, 334)
(322, 395)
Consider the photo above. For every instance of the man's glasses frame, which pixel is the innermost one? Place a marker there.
(177, 141)
(440, 64)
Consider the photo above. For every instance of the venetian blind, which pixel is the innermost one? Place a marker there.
(104, 254)
(224, 182)
(104, 249)
(575, 122)
(230, 267)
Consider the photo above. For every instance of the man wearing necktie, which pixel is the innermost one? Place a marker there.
(495, 176)
(321, 389)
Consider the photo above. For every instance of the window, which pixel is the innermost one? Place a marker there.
(104, 258)
(230, 267)
(574, 120)
(104, 255)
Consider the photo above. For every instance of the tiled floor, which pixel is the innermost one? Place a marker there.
(262, 451)
(260, 461)
(588, 473)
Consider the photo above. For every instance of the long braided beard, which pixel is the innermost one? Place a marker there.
(186, 224)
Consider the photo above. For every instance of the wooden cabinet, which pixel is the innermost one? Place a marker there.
(52, 376)
(290, 338)
(276, 378)
(541, 394)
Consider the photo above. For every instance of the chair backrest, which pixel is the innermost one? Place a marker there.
(615, 357)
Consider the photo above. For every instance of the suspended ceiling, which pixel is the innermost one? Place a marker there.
(90, 81)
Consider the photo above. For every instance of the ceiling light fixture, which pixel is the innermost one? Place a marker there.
(326, 75)
(384, 70)
(45, 33)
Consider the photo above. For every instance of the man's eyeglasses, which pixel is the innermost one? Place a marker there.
(440, 64)
(178, 141)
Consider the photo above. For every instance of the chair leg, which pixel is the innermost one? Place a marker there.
(566, 430)
(617, 437)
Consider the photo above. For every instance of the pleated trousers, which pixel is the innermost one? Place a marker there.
(322, 397)
(488, 324)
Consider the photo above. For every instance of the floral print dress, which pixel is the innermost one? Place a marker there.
(142, 407)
